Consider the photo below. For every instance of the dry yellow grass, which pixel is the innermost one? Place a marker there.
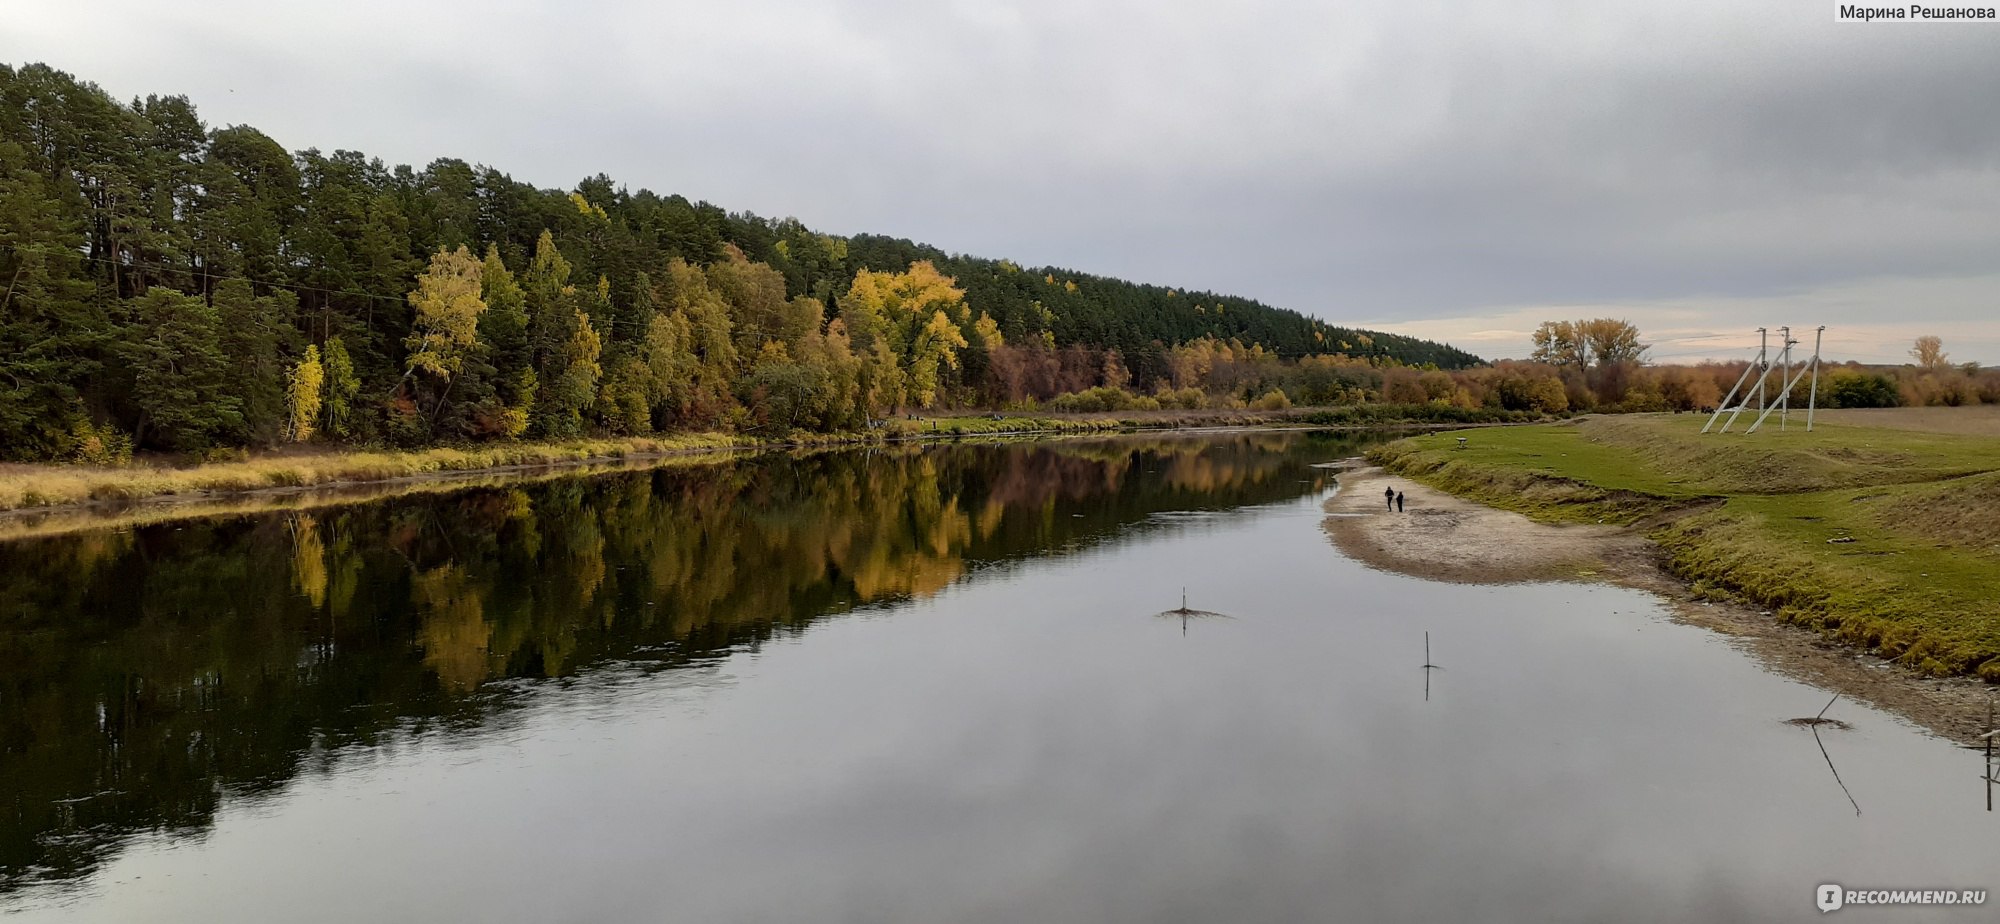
(37, 522)
(32, 486)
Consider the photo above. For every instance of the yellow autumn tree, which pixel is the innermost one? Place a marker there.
(936, 346)
(1929, 353)
(447, 303)
(302, 394)
(708, 336)
(988, 332)
(915, 318)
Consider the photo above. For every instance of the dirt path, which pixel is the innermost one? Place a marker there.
(1446, 538)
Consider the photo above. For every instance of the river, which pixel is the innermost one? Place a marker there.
(912, 684)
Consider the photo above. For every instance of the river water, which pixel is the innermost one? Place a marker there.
(912, 684)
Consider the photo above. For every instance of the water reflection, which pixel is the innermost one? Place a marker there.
(147, 675)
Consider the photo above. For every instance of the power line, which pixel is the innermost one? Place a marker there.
(1705, 353)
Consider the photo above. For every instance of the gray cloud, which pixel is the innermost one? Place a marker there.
(1390, 161)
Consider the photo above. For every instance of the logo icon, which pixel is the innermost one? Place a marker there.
(1830, 898)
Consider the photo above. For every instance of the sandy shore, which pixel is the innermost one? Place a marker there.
(1446, 538)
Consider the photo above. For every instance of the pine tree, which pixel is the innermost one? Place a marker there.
(182, 386)
(254, 331)
(342, 386)
(570, 373)
(50, 334)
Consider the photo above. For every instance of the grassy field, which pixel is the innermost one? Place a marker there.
(1880, 528)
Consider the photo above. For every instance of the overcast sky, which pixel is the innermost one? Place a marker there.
(1455, 170)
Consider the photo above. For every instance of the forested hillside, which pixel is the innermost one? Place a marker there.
(173, 286)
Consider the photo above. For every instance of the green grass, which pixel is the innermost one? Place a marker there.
(1915, 577)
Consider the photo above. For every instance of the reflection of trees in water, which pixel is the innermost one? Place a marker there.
(143, 673)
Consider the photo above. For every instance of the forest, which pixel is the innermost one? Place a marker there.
(176, 287)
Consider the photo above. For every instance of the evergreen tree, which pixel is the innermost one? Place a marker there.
(182, 387)
(570, 373)
(255, 332)
(503, 403)
(50, 333)
(342, 387)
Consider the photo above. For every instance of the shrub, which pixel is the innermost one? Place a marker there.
(100, 445)
(1847, 388)
(1273, 400)
(1103, 398)
(1186, 399)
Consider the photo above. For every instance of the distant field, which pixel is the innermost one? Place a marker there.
(1979, 420)
(1881, 528)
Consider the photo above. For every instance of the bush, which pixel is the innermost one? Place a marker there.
(1185, 399)
(1103, 398)
(406, 425)
(1532, 393)
(100, 445)
(215, 455)
(1273, 400)
(1861, 389)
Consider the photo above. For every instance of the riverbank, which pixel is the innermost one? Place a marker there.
(1442, 536)
(37, 490)
(40, 487)
(1448, 538)
(1874, 536)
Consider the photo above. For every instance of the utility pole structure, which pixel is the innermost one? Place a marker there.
(1760, 365)
(1812, 400)
(1789, 382)
(1785, 375)
(1763, 407)
(1761, 335)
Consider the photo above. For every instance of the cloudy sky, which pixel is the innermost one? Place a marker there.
(1455, 170)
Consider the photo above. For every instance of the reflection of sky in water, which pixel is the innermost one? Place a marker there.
(1031, 744)
(360, 626)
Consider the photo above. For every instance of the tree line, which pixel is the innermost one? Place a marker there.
(1599, 365)
(172, 286)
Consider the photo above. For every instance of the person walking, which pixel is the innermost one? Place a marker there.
(1399, 502)
(1389, 496)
